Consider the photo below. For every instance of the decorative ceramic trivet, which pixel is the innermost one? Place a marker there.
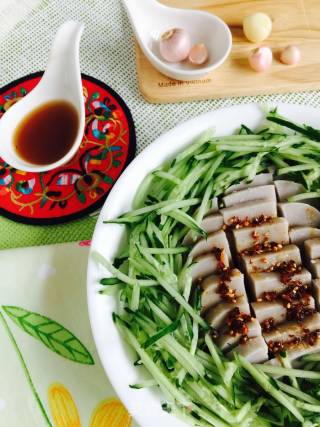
(80, 186)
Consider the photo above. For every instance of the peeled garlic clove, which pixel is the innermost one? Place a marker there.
(290, 55)
(198, 54)
(257, 27)
(175, 45)
(261, 59)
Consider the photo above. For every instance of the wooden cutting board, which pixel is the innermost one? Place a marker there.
(294, 21)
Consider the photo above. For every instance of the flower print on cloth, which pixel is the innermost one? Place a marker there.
(108, 413)
(80, 186)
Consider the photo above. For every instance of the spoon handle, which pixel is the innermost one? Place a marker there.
(138, 10)
(63, 64)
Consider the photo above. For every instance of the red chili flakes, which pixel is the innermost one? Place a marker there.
(299, 311)
(285, 267)
(236, 223)
(269, 296)
(312, 337)
(260, 248)
(224, 289)
(268, 325)
(295, 292)
(237, 322)
(219, 254)
(255, 235)
(309, 338)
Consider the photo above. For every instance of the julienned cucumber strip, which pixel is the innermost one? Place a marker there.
(267, 386)
(297, 373)
(167, 330)
(160, 316)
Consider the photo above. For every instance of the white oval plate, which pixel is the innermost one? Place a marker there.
(116, 357)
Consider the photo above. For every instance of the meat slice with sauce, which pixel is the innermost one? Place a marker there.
(278, 312)
(217, 239)
(290, 332)
(204, 265)
(221, 288)
(249, 211)
(261, 236)
(228, 339)
(216, 316)
(270, 261)
(260, 283)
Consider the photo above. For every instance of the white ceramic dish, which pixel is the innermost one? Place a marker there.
(150, 19)
(116, 357)
(61, 81)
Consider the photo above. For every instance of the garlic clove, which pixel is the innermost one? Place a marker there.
(291, 55)
(261, 59)
(257, 27)
(198, 54)
(175, 45)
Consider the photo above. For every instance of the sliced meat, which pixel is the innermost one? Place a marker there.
(300, 214)
(312, 248)
(263, 192)
(210, 288)
(255, 350)
(227, 342)
(288, 330)
(271, 282)
(216, 316)
(303, 349)
(314, 267)
(207, 264)
(286, 189)
(299, 234)
(274, 231)
(265, 261)
(249, 210)
(265, 310)
(316, 292)
(209, 224)
(217, 239)
(261, 179)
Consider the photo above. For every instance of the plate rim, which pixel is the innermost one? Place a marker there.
(92, 287)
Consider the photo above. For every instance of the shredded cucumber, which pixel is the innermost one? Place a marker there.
(160, 316)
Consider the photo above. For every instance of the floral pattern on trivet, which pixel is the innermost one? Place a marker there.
(81, 186)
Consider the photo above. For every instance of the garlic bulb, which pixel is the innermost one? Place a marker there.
(257, 27)
(175, 45)
(261, 59)
(198, 54)
(290, 55)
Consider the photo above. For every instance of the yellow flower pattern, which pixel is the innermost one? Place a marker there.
(108, 413)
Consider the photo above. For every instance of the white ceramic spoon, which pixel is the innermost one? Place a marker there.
(61, 81)
(150, 19)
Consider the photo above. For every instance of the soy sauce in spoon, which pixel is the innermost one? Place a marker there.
(47, 133)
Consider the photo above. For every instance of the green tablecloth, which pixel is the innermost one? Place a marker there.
(107, 53)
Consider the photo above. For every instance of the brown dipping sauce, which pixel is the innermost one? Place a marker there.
(47, 133)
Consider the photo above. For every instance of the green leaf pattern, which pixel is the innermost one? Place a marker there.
(53, 335)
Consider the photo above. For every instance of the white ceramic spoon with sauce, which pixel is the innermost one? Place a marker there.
(60, 82)
(150, 19)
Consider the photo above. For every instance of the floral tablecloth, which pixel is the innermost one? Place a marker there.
(50, 371)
